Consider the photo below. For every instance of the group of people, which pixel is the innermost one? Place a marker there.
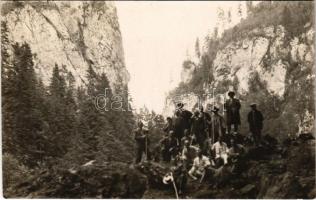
(202, 140)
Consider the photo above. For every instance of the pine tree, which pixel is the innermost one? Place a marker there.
(6, 74)
(229, 16)
(58, 113)
(197, 48)
(24, 103)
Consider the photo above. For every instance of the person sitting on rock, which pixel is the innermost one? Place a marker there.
(200, 164)
(188, 154)
(235, 151)
(187, 137)
(168, 146)
(220, 149)
(180, 176)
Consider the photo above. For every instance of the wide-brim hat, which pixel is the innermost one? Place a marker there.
(180, 105)
(231, 93)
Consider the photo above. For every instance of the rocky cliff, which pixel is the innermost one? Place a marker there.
(267, 64)
(70, 34)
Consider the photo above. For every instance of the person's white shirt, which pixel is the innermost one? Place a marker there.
(201, 163)
(189, 151)
(220, 149)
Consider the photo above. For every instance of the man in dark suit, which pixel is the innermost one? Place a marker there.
(232, 107)
(255, 120)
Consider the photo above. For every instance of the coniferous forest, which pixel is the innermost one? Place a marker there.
(64, 68)
(57, 125)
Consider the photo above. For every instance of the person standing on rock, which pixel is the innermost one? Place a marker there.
(182, 120)
(217, 126)
(142, 142)
(255, 120)
(198, 129)
(232, 107)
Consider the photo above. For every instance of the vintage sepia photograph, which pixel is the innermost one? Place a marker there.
(158, 99)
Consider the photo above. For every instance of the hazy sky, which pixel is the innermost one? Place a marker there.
(156, 36)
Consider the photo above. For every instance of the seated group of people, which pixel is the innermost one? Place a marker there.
(195, 160)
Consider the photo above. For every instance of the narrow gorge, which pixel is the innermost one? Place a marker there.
(59, 57)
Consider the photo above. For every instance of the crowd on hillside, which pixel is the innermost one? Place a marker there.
(199, 143)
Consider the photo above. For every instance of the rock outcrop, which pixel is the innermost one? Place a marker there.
(70, 34)
(266, 64)
(278, 172)
(91, 180)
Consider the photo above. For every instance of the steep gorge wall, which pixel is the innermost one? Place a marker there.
(74, 34)
(267, 67)
(274, 70)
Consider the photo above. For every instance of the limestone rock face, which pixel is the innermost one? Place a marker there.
(270, 67)
(70, 34)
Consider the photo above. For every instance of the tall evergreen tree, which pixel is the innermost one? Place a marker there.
(6, 74)
(197, 48)
(58, 113)
(24, 108)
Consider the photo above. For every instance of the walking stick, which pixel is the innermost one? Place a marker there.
(167, 178)
(174, 187)
(202, 177)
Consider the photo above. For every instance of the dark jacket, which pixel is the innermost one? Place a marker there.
(198, 127)
(140, 138)
(168, 127)
(186, 116)
(232, 107)
(255, 120)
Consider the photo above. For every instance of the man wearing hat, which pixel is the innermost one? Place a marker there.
(255, 120)
(142, 142)
(232, 107)
(182, 121)
(217, 126)
(198, 129)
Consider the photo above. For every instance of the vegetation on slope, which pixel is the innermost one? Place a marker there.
(56, 126)
(281, 113)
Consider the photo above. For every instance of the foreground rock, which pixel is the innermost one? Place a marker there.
(282, 172)
(91, 180)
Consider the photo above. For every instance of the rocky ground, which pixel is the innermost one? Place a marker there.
(274, 170)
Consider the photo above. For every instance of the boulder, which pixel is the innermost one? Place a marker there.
(284, 186)
(248, 191)
(91, 180)
(154, 173)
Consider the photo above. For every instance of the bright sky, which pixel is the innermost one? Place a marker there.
(156, 36)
